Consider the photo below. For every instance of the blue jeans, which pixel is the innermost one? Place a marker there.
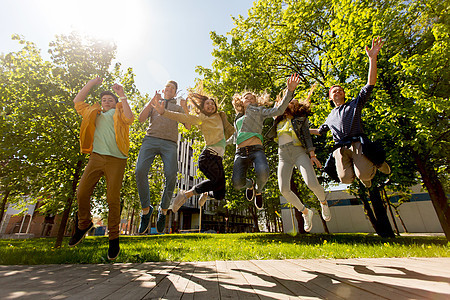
(168, 151)
(242, 162)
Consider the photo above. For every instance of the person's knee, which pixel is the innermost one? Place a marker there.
(171, 176)
(347, 178)
(285, 189)
(140, 171)
(239, 183)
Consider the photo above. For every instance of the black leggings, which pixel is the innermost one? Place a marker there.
(212, 167)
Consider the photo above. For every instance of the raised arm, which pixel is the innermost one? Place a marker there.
(126, 107)
(377, 43)
(146, 111)
(292, 83)
(173, 115)
(82, 94)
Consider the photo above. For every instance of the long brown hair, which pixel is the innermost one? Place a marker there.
(302, 108)
(198, 101)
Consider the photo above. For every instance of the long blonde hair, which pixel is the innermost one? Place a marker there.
(263, 99)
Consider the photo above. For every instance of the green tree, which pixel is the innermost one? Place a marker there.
(41, 133)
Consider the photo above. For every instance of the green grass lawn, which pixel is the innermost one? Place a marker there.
(207, 247)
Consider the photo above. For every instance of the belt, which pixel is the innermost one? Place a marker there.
(287, 145)
(347, 142)
(245, 151)
(211, 151)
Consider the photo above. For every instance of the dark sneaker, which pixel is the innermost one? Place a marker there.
(161, 222)
(114, 249)
(250, 192)
(145, 221)
(79, 235)
(259, 201)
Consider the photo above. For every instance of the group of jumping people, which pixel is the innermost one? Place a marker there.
(104, 134)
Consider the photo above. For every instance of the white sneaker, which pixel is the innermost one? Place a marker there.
(203, 199)
(326, 214)
(308, 220)
(179, 200)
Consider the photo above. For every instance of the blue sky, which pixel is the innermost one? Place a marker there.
(159, 39)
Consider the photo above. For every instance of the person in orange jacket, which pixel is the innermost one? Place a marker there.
(104, 134)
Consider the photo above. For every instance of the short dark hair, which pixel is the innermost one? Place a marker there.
(174, 83)
(104, 93)
(329, 91)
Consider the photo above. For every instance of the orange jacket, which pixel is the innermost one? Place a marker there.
(90, 113)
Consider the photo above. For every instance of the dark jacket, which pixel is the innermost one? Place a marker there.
(301, 129)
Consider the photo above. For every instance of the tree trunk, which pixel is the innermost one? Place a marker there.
(401, 220)
(367, 208)
(386, 198)
(436, 191)
(3, 204)
(68, 207)
(383, 225)
(324, 224)
(255, 218)
(300, 221)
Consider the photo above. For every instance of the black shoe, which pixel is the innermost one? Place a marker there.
(259, 201)
(79, 235)
(114, 249)
(161, 222)
(145, 221)
(250, 192)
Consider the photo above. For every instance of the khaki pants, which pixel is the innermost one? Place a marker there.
(350, 162)
(113, 168)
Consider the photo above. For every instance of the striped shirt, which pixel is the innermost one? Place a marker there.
(345, 120)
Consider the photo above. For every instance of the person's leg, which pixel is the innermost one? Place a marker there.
(285, 168)
(91, 175)
(364, 169)
(261, 169)
(114, 170)
(145, 159)
(239, 177)
(170, 161)
(212, 167)
(303, 163)
(344, 165)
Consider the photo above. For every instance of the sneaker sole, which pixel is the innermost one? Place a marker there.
(114, 257)
(92, 225)
(146, 229)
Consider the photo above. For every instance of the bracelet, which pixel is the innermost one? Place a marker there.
(123, 98)
(312, 156)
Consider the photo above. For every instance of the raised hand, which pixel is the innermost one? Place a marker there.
(156, 99)
(158, 105)
(96, 81)
(377, 43)
(183, 102)
(118, 89)
(292, 82)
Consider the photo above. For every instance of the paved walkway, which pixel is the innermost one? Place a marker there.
(385, 278)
